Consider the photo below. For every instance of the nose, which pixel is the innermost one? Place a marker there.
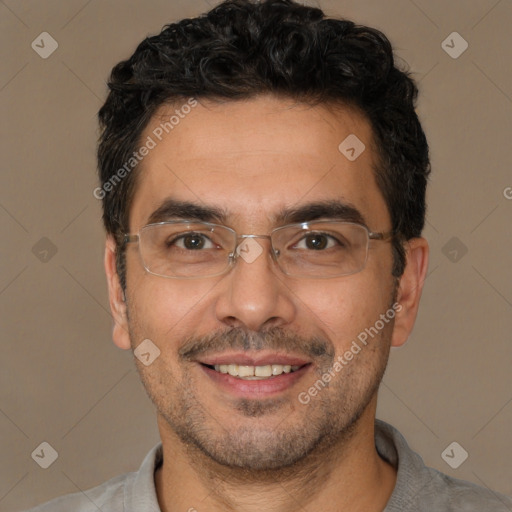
(254, 293)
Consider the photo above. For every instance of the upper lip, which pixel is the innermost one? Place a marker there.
(248, 359)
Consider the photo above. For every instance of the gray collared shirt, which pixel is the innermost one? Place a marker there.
(418, 488)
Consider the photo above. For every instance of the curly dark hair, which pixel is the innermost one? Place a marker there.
(243, 48)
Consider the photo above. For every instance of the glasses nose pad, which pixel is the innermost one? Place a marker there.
(235, 254)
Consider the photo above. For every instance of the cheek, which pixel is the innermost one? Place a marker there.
(345, 307)
(165, 308)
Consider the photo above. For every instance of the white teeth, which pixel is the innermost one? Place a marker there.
(255, 372)
(246, 371)
(263, 371)
(277, 369)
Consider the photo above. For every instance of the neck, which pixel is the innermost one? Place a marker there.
(345, 474)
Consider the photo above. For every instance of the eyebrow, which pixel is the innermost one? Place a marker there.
(173, 209)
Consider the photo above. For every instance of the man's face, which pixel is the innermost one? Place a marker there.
(253, 159)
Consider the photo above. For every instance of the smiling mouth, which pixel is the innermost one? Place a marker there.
(264, 372)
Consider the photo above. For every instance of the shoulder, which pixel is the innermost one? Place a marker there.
(130, 491)
(425, 489)
(459, 495)
(107, 497)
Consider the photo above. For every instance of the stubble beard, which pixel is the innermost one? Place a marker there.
(249, 450)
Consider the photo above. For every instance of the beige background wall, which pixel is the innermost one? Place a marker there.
(62, 381)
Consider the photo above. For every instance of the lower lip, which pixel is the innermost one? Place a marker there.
(256, 388)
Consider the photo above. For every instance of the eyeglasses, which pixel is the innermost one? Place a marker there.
(189, 250)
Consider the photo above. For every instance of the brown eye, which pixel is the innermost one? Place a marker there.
(190, 241)
(318, 242)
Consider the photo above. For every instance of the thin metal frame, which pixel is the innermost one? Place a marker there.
(232, 256)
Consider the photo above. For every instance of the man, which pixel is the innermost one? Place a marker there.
(263, 177)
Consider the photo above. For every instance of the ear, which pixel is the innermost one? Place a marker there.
(120, 334)
(409, 289)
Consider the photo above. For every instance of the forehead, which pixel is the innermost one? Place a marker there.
(256, 158)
